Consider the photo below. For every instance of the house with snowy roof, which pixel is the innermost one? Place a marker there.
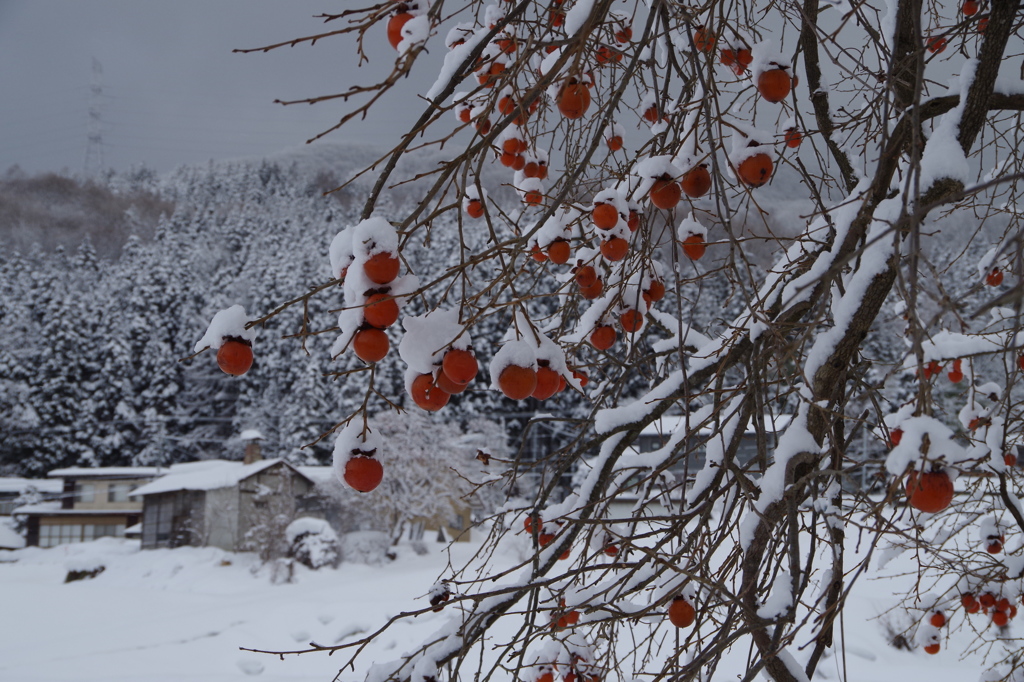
(13, 490)
(92, 503)
(217, 502)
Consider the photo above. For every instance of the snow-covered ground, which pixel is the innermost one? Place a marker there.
(182, 614)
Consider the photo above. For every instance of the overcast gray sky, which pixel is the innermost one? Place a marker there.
(173, 92)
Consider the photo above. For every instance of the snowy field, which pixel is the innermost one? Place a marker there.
(182, 614)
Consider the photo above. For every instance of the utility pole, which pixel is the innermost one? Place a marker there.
(94, 127)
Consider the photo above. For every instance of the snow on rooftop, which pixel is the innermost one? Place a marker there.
(317, 474)
(251, 434)
(40, 508)
(106, 472)
(206, 475)
(11, 484)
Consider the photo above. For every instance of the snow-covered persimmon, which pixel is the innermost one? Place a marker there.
(932, 648)
(490, 77)
(681, 612)
(517, 382)
(937, 619)
(744, 58)
(614, 142)
(969, 8)
(793, 138)
(1010, 459)
(895, 436)
(994, 278)
(656, 290)
(559, 252)
(931, 369)
(696, 182)
(956, 374)
(651, 114)
(632, 320)
(936, 44)
(447, 385)
(234, 356)
(574, 99)
(371, 344)
(514, 145)
(395, 25)
(535, 169)
(755, 170)
(475, 208)
(614, 249)
(380, 311)
(774, 84)
(586, 275)
(633, 221)
(427, 394)
(592, 291)
(605, 216)
(694, 247)
(603, 337)
(704, 39)
(460, 365)
(381, 268)
(567, 619)
(929, 492)
(1000, 618)
(506, 105)
(533, 198)
(666, 192)
(363, 473)
(547, 383)
(606, 54)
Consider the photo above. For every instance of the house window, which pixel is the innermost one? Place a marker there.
(109, 530)
(117, 492)
(60, 534)
(67, 533)
(86, 492)
(456, 522)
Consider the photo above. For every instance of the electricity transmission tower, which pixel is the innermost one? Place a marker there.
(94, 127)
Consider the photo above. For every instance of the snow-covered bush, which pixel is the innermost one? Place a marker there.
(369, 547)
(313, 543)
